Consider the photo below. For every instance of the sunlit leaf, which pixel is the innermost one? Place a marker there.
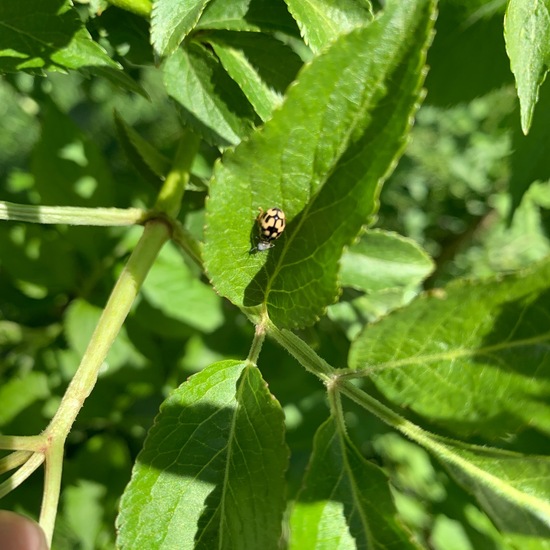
(473, 357)
(321, 159)
(214, 459)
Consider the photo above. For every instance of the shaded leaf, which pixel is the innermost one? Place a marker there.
(146, 159)
(24, 246)
(383, 261)
(68, 167)
(40, 35)
(382, 272)
(172, 288)
(321, 159)
(345, 501)
(214, 459)
(468, 56)
(18, 393)
(213, 105)
(249, 60)
(474, 357)
(512, 488)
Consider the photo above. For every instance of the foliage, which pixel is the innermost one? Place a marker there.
(411, 409)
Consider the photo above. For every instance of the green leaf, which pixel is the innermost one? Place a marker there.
(83, 510)
(212, 103)
(241, 71)
(172, 21)
(80, 321)
(248, 15)
(249, 60)
(345, 501)
(321, 158)
(468, 56)
(512, 488)
(24, 246)
(43, 35)
(383, 261)
(472, 357)
(18, 393)
(172, 288)
(384, 270)
(211, 474)
(323, 21)
(68, 167)
(527, 34)
(146, 159)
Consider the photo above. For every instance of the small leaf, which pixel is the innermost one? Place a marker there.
(527, 33)
(145, 159)
(383, 261)
(172, 21)
(211, 474)
(381, 272)
(80, 321)
(345, 501)
(322, 22)
(68, 167)
(473, 357)
(321, 158)
(83, 511)
(212, 103)
(18, 393)
(172, 288)
(49, 35)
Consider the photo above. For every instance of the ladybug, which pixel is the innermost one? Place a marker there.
(272, 224)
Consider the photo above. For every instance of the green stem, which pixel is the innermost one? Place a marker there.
(156, 233)
(182, 238)
(256, 347)
(52, 487)
(22, 474)
(13, 460)
(158, 228)
(442, 449)
(70, 215)
(302, 352)
(170, 196)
